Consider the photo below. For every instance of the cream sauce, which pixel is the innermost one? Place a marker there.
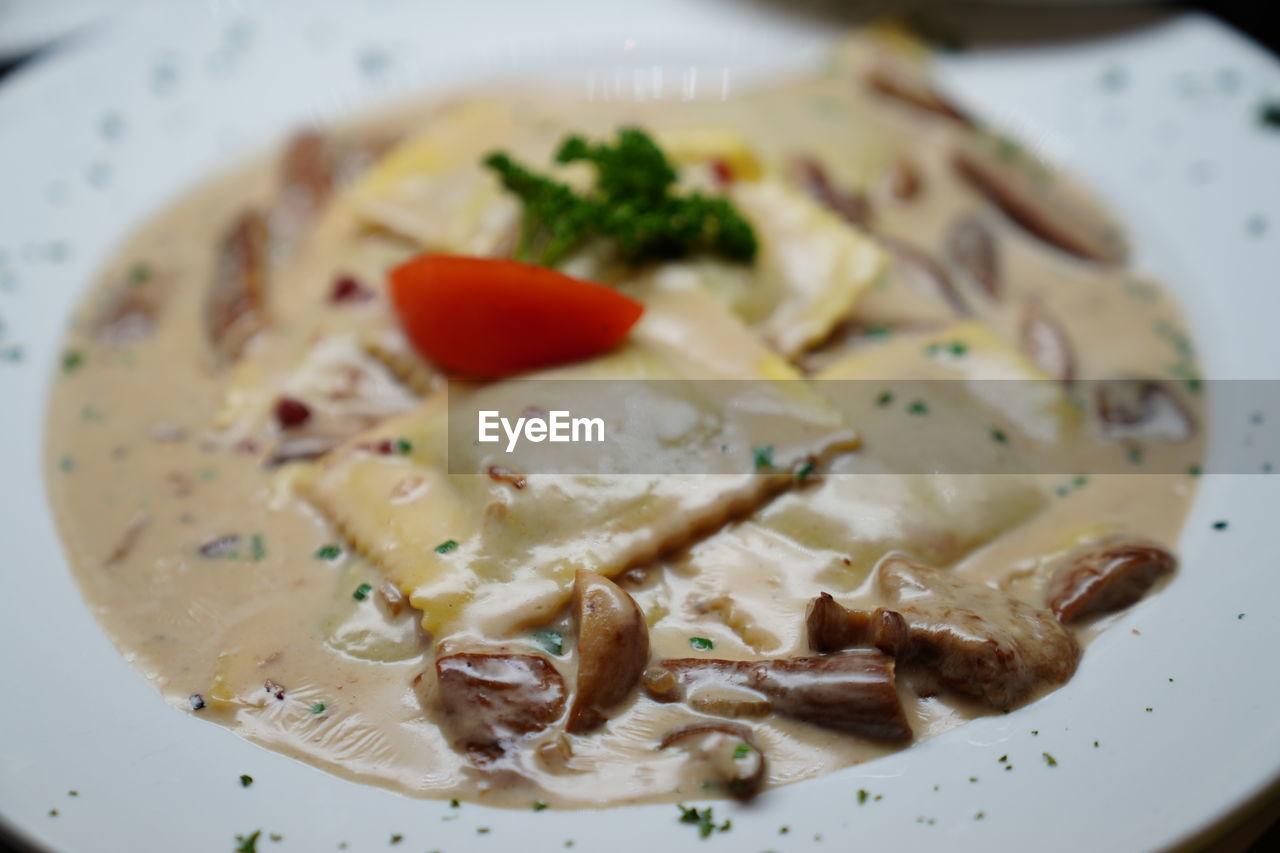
(146, 466)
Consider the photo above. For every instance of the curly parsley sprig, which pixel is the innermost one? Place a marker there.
(632, 204)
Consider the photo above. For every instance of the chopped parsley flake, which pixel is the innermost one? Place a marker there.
(1049, 759)
(998, 436)
(552, 641)
(318, 708)
(918, 407)
(257, 547)
(702, 644)
(67, 464)
(1194, 471)
(538, 805)
(446, 546)
(396, 838)
(741, 751)
(362, 592)
(72, 360)
(245, 780)
(248, 843)
(275, 836)
(862, 795)
(453, 804)
(763, 457)
(1219, 525)
(885, 398)
(705, 819)
(803, 472)
(139, 273)
(403, 446)
(328, 552)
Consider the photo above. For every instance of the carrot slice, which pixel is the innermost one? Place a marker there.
(483, 318)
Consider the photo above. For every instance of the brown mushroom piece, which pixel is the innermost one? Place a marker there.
(1046, 343)
(850, 205)
(912, 86)
(974, 639)
(613, 648)
(130, 311)
(492, 700)
(1141, 408)
(1106, 576)
(854, 692)
(926, 273)
(1036, 203)
(728, 749)
(306, 179)
(235, 305)
(972, 249)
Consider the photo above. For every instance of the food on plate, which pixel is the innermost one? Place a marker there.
(876, 382)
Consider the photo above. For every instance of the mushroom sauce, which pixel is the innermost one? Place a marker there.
(239, 456)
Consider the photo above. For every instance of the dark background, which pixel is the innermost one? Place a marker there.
(1260, 20)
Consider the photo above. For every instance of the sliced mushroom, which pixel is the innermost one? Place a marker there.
(832, 627)
(1043, 210)
(299, 448)
(728, 749)
(912, 86)
(927, 274)
(307, 178)
(235, 306)
(974, 639)
(854, 692)
(972, 248)
(1142, 408)
(1106, 576)
(850, 205)
(493, 700)
(904, 180)
(1046, 343)
(613, 648)
(131, 308)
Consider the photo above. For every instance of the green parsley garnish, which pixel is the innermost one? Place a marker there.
(631, 204)
(704, 819)
(328, 552)
(803, 472)
(403, 446)
(245, 780)
(538, 805)
(1049, 759)
(446, 546)
(248, 843)
(257, 547)
(918, 407)
(552, 641)
(362, 592)
(453, 804)
(885, 398)
(763, 457)
(741, 751)
(998, 436)
(72, 360)
(139, 273)
(862, 795)
(702, 644)
(318, 708)
(396, 838)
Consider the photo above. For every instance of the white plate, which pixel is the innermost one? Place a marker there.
(1184, 712)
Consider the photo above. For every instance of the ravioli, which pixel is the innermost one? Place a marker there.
(486, 533)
